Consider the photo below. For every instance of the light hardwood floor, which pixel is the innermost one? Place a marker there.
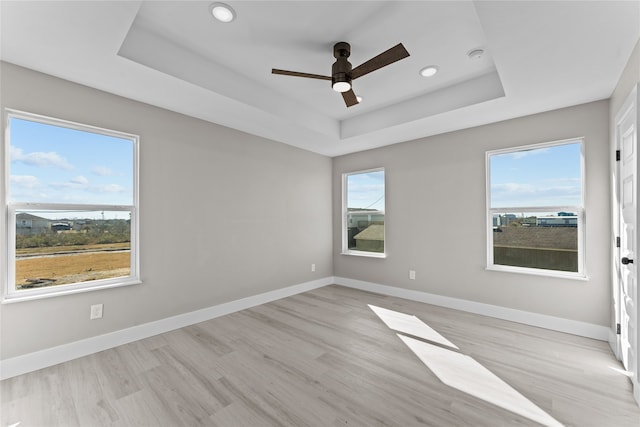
(322, 358)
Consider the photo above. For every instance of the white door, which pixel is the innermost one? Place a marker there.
(627, 268)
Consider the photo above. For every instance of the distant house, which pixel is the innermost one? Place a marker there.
(362, 218)
(371, 239)
(359, 219)
(557, 221)
(502, 220)
(537, 247)
(551, 238)
(30, 224)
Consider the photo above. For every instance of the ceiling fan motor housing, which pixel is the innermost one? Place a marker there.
(341, 70)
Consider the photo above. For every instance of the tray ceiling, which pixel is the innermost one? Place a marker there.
(538, 56)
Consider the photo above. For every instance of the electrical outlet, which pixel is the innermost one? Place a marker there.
(96, 311)
(313, 267)
(412, 275)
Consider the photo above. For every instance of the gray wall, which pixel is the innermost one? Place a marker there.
(271, 208)
(266, 203)
(435, 216)
(629, 78)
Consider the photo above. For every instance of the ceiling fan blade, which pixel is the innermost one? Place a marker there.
(350, 98)
(390, 56)
(297, 74)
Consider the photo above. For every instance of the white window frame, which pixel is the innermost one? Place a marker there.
(581, 274)
(345, 220)
(8, 228)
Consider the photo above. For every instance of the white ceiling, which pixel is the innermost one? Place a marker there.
(539, 56)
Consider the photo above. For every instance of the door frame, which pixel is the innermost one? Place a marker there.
(632, 98)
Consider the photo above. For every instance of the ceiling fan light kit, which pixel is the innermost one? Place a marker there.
(341, 69)
(342, 72)
(340, 86)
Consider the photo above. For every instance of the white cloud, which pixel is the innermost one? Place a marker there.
(102, 171)
(554, 192)
(40, 158)
(109, 188)
(25, 181)
(80, 180)
(564, 182)
(513, 188)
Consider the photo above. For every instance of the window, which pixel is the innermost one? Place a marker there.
(363, 213)
(536, 210)
(71, 207)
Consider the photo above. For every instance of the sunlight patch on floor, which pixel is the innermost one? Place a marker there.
(458, 370)
(410, 325)
(622, 371)
(465, 374)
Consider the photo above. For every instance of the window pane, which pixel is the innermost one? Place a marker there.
(72, 193)
(539, 177)
(55, 164)
(61, 247)
(543, 240)
(365, 211)
(536, 208)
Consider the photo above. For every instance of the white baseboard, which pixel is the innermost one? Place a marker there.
(574, 327)
(613, 343)
(52, 356)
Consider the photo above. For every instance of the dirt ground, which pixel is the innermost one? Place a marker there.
(73, 268)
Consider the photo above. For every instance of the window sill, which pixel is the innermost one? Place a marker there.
(50, 293)
(539, 272)
(365, 254)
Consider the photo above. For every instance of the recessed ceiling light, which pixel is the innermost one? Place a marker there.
(222, 12)
(475, 53)
(429, 71)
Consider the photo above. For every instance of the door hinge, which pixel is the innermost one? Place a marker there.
(618, 328)
(617, 155)
(618, 242)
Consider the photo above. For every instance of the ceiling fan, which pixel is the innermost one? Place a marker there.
(342, 73)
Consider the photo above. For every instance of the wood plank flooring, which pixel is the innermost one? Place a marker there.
(322, 358)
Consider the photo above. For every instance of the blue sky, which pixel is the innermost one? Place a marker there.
(549, 176)
(51, 164)
(366, 190)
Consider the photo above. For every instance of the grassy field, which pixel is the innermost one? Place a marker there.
(73, 268)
